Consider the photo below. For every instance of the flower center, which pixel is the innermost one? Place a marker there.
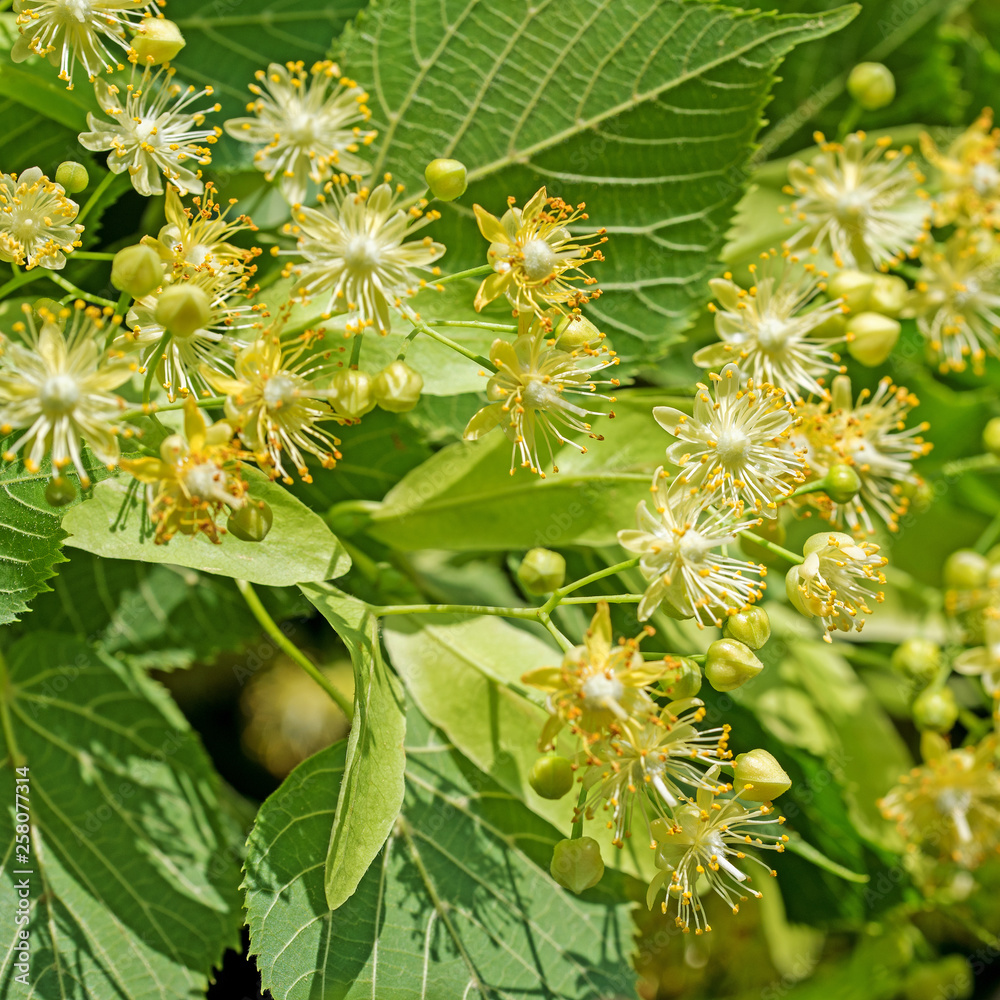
(540, 260)
(693, 546)
(851, 205)
(362, 253)
(206, 481)
(280, 390)
(25, 229)
(145, 132)
(600, 691)
(59, 395)
(772, 334)
(539, 395)
(733, 446)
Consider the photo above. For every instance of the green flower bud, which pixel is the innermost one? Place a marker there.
(59, 492)
(157, 41)
(72, 176)
(251, 522)
(991, 437)
(917, 659)
(935, 709)
(137, 270)
(965, 569)
(551, 777)
(577, 864)
(841, 483)
(832, 328)
(771, 530)
(920, 494)
(397, 387)
(871, 337)
(684, 682)
(949, 978)
(730, 664)
(751, 627)
(446, 179)
(183, 309)
(574, 331)
(351, 392)
(872, 85)
(542, 571)
(889, 295)
(759, 777)
(854, 287)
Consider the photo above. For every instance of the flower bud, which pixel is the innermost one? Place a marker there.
(551, 777)
(730, 664)
(935, 709)
(137, 270)
(854, 287)
(574, 331)
(758, 777)
(841, 483)
(965, 569)
(72, 176)
(889, 295)
(920, 494)
(251, 522)
(577, 864)
(397, 387)
(918, 660)
(832, 328)
(157, 41)
(446, 179)
(872, 85)
(542, 571)
(772, 530)
(351, 393)
(991, 437)
(684, 681)
(751, 627)
(59, 492)
(183, 309)
(871, 337)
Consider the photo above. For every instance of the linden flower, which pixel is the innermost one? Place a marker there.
(870, 436)
(657, 757)
(969, 174)
(199, 237)
(956, 304)
(307, 128)
(154, 132)
(68, 32)
(195, 478)
(735, 444)
(273, 402)
(539, 392)
(57, 386)
(703, 842)
(538, 262)
(766, 329)
(866, 207)
(599, 686)
(836, 580)
(357, 252)
(950, 807)
(677, 548)
(36, 221)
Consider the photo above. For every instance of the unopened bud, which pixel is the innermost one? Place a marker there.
(854, 287)
(751, 627)
(446, 178)
(551, 777)
(351, 393)
(871, 337)
(397, 387)
(183, 309)
(59, 492)
(542, 571)
(72, 176)
(935, 709)
(758, 777)
(251, 522)
(889, 295)
(157, 41)
(841, 483)
(917, 659)
(577, 864)
(684, 681)
(991, 437)
(730, 664)
(965, 569)
(574, 331)
(872, 85)
(832, 328)
(137, 270)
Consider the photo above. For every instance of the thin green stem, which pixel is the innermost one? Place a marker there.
(581, 801)
(448, 342)
(557, 595)
(385, 610)
(78, 292)
(777, 550)
(405, 346)
(288, 647)
(610, 598)
(6, 696)
(92, 255)
(356, 351)
(472, 272)
(106, 181)
(154, 360)
(23, 278)
(472, 324)
(988, 538)
(815, 487)
(150, 408)
(850, 120)
(564, 643)
(974, 463)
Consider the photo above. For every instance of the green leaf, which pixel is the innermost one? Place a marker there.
(372, 789)
(133, 884)
(299, 547)
(31, 535)
(464, 497)
(647, 111)
(458, 904)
